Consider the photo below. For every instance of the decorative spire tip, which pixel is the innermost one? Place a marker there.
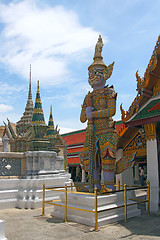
(98, 47)
(51, 110)
(38, 86)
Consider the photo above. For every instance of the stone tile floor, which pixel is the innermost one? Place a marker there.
(24, 224)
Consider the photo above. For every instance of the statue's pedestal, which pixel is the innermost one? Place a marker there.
(103, 202)
(2, 235)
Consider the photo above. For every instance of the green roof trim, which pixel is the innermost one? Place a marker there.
(145, 113)
(38, 105)
(72, 164)
(50, 132)
(119, 122)
(73, 153)
(38, 117)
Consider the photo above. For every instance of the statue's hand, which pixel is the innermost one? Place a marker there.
(89, 112)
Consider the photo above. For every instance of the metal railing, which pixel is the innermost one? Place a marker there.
(96, 211)
(137, 200)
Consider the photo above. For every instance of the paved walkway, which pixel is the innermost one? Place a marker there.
(30, 225)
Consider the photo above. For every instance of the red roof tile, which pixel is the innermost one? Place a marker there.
(74, 138)
(73, 160)
(72, 150)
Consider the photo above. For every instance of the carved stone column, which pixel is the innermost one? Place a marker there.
(152, 165)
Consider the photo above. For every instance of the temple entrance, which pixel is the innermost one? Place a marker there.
(140, 162)
(76, 173)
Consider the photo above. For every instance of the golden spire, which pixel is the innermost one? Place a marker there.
(51, 131)
(38, 117)
(38, 86)
(51, 110)
(51, 123)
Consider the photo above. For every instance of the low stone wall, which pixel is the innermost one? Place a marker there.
(29, 163)
(12, 164)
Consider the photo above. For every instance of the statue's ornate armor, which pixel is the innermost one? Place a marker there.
(104, 107)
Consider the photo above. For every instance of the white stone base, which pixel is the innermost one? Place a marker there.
(87, 202)
(2, 233)
(27, 193)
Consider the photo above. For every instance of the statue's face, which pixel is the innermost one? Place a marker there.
(96, 78)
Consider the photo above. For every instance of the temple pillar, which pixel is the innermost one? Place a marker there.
(77, 171)
(119, 155)
(152, 165)
(83, 176)
(136, 177)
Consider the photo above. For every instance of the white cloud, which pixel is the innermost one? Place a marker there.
(46, 37)
(8, 89)
(73, 125)
(5, 108)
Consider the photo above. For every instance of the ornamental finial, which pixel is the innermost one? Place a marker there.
(98, 59)
(51, 110)
(98, 47)
(30, 93)
(38, 86)
(30, 74)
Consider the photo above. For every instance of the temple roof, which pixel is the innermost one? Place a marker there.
(2, 128)
(147, 87)
(150, 110)
(146, 106)
(38, 116)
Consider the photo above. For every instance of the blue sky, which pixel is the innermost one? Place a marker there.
(58, 39)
